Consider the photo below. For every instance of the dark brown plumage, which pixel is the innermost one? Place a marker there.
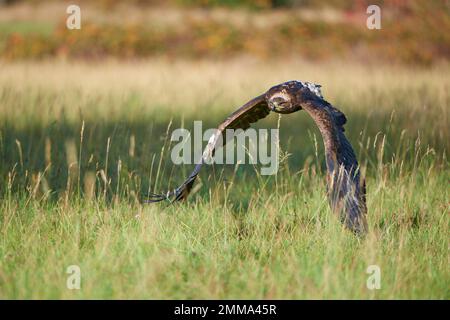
(346, 192)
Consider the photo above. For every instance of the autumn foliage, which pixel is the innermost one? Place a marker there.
(411, 33)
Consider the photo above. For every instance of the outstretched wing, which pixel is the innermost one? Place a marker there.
(242, 118)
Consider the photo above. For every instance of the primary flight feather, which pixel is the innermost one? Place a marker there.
(346, 192)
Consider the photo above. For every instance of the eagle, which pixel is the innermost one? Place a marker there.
(345, 189)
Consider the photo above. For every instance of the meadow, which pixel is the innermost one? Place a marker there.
(82, 144)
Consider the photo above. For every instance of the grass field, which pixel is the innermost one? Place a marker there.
(81, 144)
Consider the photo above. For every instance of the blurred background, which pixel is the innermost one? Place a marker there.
(413, 32)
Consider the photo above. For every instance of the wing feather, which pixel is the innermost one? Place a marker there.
(242, 118)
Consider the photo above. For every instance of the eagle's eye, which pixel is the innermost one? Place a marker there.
(279, 103)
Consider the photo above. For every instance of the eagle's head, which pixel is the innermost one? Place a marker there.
(286, 97)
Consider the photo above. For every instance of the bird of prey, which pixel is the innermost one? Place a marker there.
(346, 191)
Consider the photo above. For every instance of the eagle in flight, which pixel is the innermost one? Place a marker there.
(346, 191)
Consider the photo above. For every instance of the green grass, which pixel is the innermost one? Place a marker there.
(240, 235)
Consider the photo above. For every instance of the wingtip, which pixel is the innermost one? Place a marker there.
(153, 198)
(179, 194)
